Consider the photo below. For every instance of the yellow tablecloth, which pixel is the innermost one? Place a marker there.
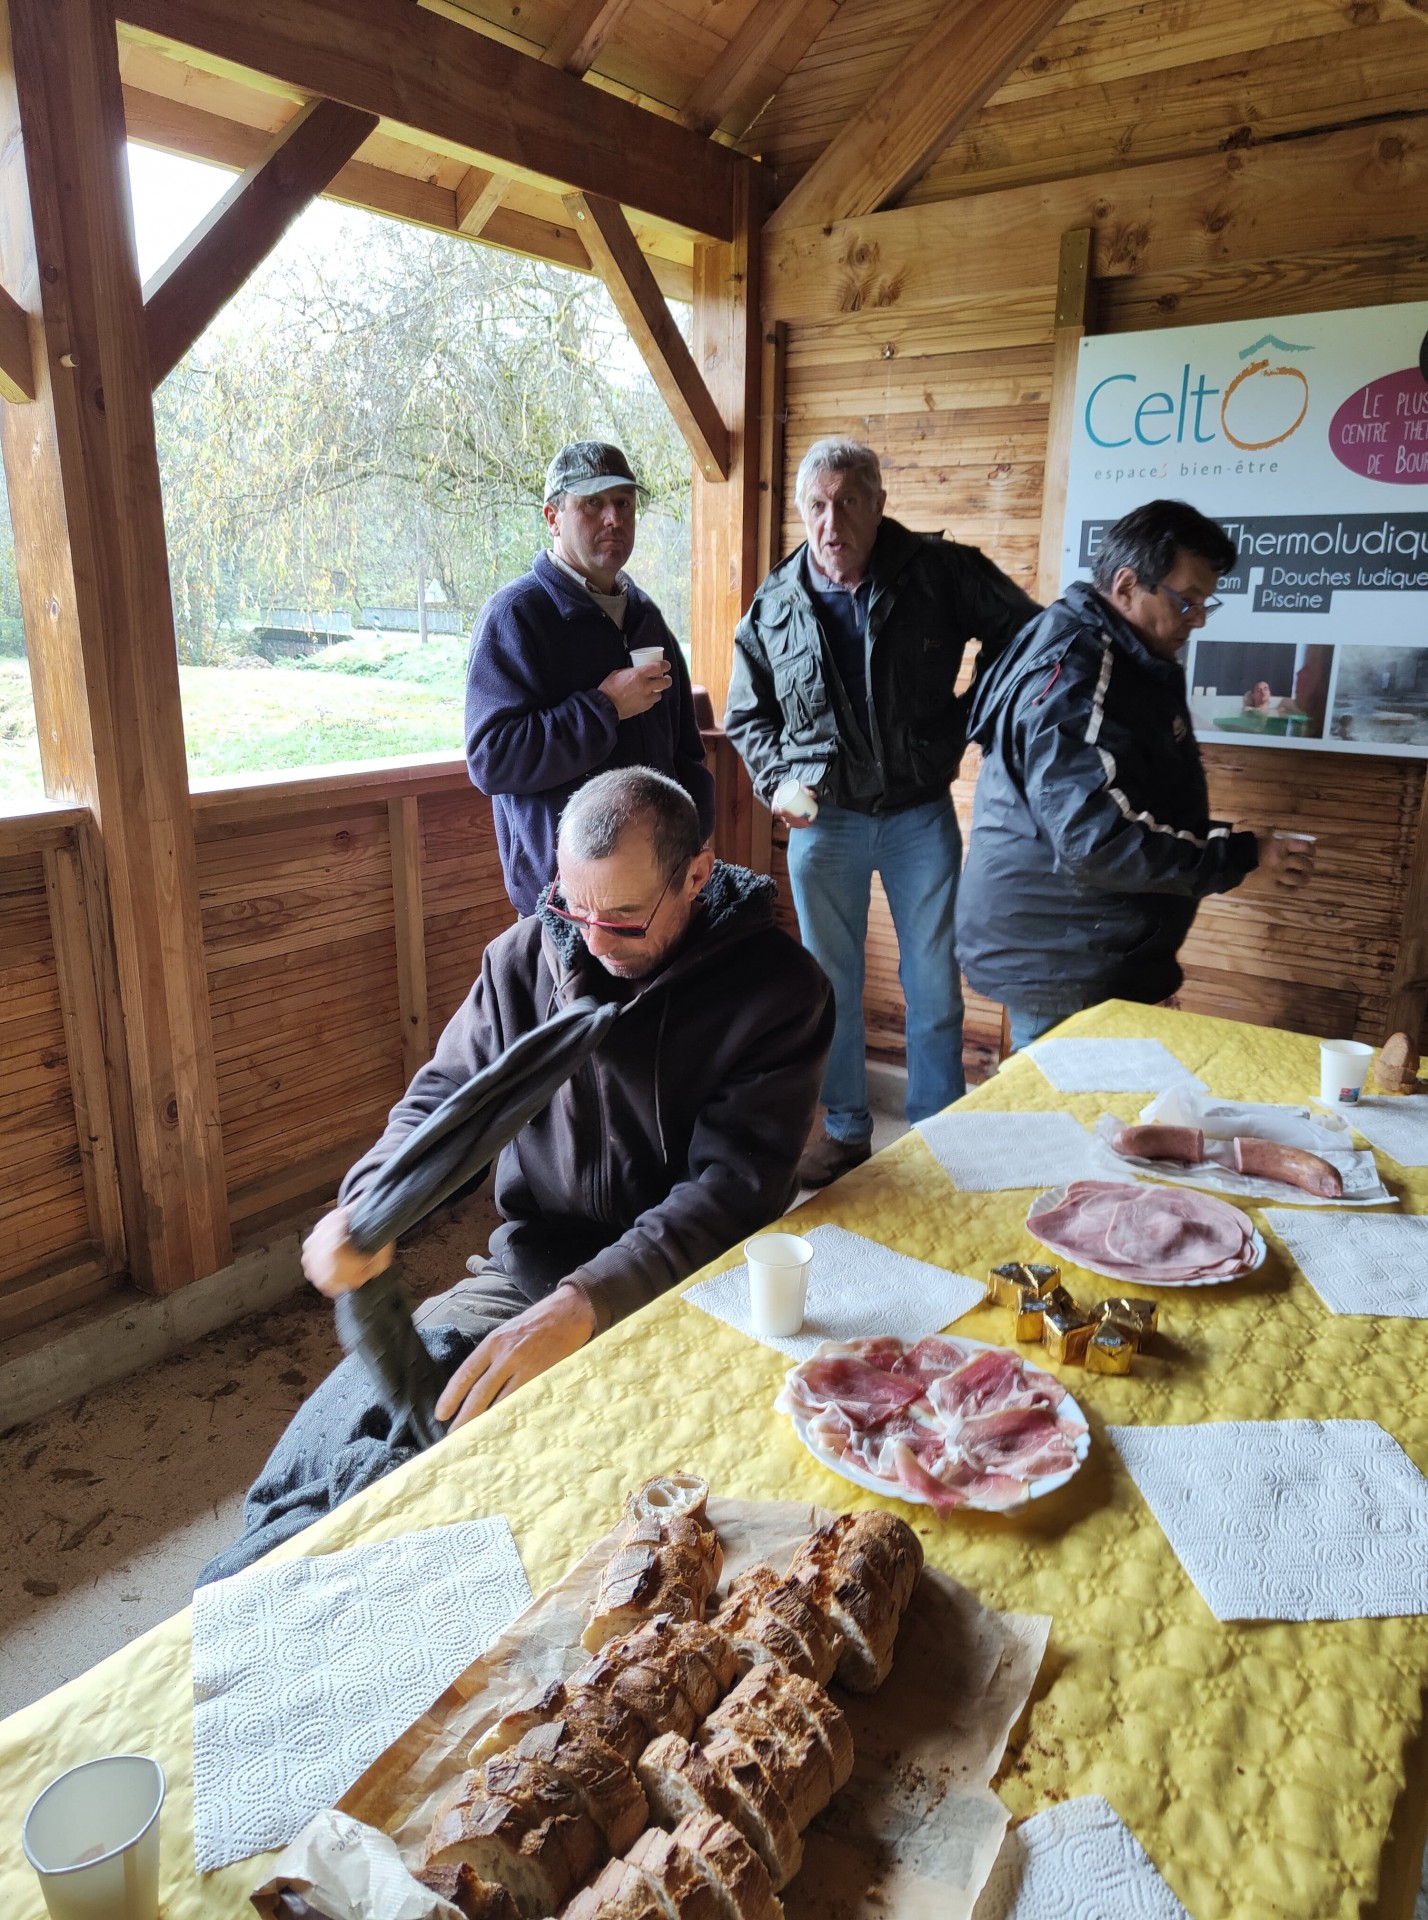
(1267, 1769)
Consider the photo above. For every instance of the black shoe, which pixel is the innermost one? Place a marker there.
(829, 1159)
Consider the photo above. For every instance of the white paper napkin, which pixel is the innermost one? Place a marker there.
(305, 1671)
(995, 1152)
(1110, 1066)
(1076, 1861)
(1397, 1127)
(1288, 1519)
(1359, 1265)
(856, 1289)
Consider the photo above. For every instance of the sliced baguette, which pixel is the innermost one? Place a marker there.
(733, 1869)
(775, 1714)
(683, 1891)
(620, 1892)
(472, 1898)
(666, 1494)
(604, 1784)
(539, 1860)
(771, 1618)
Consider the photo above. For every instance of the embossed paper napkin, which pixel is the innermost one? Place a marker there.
(1110, 1066)
(1396, 1126)
(1359, 1265)
(1077, 1861)
(303, 1672)
(1288, 1519)
(997, 1152)
(856, 1288)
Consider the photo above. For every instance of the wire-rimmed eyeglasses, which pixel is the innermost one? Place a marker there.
(588, 923)
(1184, 607)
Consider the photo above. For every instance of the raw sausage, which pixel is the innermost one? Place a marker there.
(1292, 1165)
(1160, 1143)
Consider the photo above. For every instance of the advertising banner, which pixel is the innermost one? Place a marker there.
(1306, 438)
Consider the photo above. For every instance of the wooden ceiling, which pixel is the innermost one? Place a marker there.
(1105, 85)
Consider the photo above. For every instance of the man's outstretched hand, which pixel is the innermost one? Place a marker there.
(332, 1263)
(516, 1352)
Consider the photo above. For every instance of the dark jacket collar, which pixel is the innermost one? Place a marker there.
(735, 904)
(1097, 612)
(895, 547)
(572, 599)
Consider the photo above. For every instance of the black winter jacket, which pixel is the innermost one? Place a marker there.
(788, 714)
(676, 1139)
(1092, 842)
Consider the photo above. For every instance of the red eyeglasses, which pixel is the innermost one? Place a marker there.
(588, 922)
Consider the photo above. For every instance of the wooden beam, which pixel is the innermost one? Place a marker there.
(773, 418)
(78, 969)
(1075, 317)
(465, 89)
(580, 38)
(724, 520)
(1408, 992)
(574, 49)
(751, 48)
(934, 90)
(93, 572)
(404, 832)
(1292, 196)
(176, 127)
(616, 256)
(200, 277)
(17, 372)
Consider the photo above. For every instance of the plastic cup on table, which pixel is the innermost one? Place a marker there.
(778, 1266)
(646, 656)
(92, 1837)
(1343, 1068)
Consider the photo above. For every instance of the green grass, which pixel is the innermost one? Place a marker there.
(257, 719)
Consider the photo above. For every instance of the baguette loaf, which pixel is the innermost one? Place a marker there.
(733, 1869)
(472, 1898)
(728, 1781)
(619, 1892)
(603, 1784)
(682, 1890)
(861, 1569)
(538, 1856)
(771, 1618)
(800, 1738)
(583, 1709)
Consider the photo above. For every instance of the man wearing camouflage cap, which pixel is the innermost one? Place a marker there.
(553, 694)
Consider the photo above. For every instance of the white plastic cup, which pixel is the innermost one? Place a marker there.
(646, 656)
(778, 1282)
(1343, 1068)
(1306, 840)
(791, 796)
(92, 1837)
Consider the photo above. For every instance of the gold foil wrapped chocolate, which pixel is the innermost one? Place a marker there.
(1066, 1333)
(1028, 1316)
(1136, 1320)
(1013, 1277)
(1109, 1351)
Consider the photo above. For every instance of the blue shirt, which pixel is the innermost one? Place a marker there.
(843, 616)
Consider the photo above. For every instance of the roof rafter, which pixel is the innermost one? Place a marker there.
(202, 275)
(467, 92)
(750, 49)
(934, 90)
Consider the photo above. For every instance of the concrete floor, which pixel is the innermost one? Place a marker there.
(114, 1503)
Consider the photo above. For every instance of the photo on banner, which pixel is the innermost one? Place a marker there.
(1306, 438)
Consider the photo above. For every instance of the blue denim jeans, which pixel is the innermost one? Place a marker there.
(918, 854)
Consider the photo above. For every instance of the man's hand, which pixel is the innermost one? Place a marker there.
(516, 1352)
(1285, 862)
(333, 1264)
(634, 690)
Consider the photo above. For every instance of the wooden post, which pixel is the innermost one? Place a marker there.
(409, 924)
(773, 418)
(1408, 994)
(1075, 298)
(93, 570)
(724, 514)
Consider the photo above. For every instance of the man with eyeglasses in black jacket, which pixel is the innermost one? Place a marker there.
(1092, 843)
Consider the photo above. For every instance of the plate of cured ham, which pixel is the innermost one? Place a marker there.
(944, 1422)
(1147, 1236)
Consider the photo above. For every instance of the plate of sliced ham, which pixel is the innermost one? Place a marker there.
(942, 1422)
(1147, 1236)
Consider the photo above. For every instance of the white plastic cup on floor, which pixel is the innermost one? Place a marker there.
(646, 656)
(778, 1282)
(1343, 1068)
(93, 1838)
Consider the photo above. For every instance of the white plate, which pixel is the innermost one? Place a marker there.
(1055, 1195)
(861, 1477)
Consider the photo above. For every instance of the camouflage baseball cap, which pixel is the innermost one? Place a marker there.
(588, 466)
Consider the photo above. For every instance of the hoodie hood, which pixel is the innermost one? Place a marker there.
(734, 904)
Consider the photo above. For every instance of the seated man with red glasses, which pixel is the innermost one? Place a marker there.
(677, 1139)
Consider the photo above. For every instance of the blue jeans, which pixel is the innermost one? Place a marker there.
(831, 864)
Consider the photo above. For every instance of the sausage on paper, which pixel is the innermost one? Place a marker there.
(1292, 1165)
(1160, 1143)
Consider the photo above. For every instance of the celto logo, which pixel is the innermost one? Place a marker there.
(1259, 406)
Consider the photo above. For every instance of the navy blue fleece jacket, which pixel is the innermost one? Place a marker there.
(537, 727)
